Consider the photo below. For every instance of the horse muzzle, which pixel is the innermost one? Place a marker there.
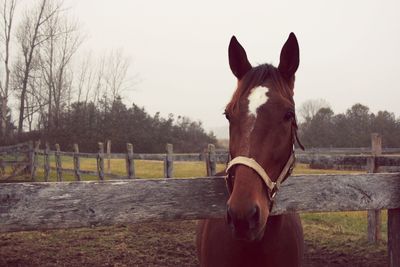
(247, 227)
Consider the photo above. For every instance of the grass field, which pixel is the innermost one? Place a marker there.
(332, 239)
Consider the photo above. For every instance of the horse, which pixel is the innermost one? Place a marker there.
(263, 132)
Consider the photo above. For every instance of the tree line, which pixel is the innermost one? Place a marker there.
(63, 95)
(86, 124)
(321, 127)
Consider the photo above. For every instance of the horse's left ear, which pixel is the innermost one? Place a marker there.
(290, 57)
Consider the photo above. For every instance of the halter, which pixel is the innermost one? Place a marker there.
(273, 187)
(251, 163)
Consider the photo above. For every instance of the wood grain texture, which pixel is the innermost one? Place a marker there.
(33, 160)
(211, 162)
(108, 147)
(46, 165)
(28, 206)
(129, 162)
(374, 216)
(100, 162)
(169, 161)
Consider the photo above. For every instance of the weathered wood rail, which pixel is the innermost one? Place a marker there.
(33, 206)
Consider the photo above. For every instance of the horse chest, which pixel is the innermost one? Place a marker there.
(277, 248)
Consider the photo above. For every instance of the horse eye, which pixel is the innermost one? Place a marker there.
(289, 115)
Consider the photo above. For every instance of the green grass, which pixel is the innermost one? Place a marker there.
(341, 233)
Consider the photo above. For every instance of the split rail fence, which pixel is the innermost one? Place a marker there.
(30, 158)
(42, 205)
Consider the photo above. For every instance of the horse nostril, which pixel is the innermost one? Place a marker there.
(254, 217)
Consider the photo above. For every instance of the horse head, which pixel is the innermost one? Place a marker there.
(262, 129)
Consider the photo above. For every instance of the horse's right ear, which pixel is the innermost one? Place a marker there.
(289, 60)
(238, 61)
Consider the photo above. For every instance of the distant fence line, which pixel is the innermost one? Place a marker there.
(26, 156)
(345, 150)
(24, 159)
(387, 163)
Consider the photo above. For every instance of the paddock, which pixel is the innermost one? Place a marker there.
(118, 203)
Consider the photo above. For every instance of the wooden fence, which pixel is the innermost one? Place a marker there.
(29, 156)
(25, 159)
(33, 206)
(17, 157)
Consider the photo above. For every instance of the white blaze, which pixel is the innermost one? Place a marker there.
(257, 98)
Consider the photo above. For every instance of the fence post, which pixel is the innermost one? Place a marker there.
(393, 244)
(58, 163)
(168, 163)
(108, 156)
(211, 160)
(374, 216)
(33, 159)
(30, 158)
(46, 165)
(130, 166)
(100, 162)
(77, 163)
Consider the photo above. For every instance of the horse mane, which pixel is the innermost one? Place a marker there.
(257, 76)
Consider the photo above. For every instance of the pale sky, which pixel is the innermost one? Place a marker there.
(349, 50)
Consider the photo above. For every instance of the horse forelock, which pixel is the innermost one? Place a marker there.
(257, 76)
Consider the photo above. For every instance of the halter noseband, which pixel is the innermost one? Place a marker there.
(251, 163)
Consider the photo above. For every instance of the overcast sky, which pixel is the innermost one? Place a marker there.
(349, 50)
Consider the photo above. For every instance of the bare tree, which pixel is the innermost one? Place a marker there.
(111, 77)
(30, 37)
(56, 55)
(115, 73)
(7, 15)
(309, 108)
(84, 78)
(103, 79)
(98, 82)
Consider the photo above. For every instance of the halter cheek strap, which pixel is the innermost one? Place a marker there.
(251, 163)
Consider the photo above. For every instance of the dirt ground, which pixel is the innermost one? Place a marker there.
(151, 244)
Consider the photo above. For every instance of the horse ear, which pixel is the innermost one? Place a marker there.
(290, 57)
(238, 61)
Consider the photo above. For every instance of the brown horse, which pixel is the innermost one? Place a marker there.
(262, 128)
